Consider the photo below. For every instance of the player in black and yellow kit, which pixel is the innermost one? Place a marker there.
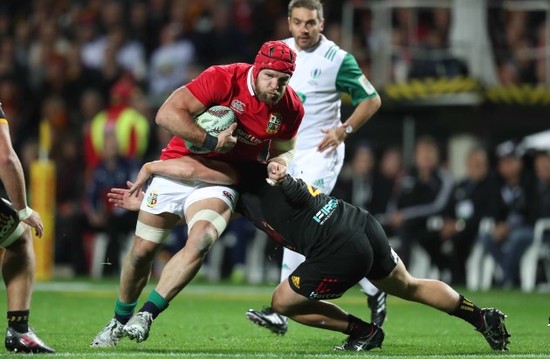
(342, 244)
(16, 221)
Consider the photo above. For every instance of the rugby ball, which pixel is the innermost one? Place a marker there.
(214, 120)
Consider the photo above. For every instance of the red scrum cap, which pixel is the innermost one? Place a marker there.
(275, 55)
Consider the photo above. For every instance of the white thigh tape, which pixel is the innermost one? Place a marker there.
(211, 216)
(149, 233)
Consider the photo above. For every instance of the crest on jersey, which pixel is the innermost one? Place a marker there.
(274, 124)
(315, 73)
(237, 106)
(152, 199)
(295, 281)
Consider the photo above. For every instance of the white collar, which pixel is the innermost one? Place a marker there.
(249, 82)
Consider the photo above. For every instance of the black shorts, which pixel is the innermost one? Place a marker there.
(10, 226)
(367, 254)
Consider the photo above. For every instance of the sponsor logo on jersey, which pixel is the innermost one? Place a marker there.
(326, 211)
(246, 138)
(295, 280)
(237, 105)
(274, 124)
(314, 192)
(229, 196)
(152, 199)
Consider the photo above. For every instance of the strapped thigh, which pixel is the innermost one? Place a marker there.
(211, 216)
(150, 233)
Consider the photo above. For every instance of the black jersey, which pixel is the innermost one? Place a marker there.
(296, 214)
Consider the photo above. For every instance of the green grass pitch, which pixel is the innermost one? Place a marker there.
(208, 321)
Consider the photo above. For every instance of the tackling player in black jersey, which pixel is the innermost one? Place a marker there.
(342, 244)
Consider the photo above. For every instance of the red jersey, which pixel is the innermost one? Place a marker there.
(231, 86)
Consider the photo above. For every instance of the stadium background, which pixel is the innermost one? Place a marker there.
(62, 61)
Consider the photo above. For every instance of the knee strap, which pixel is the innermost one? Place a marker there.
(150, 233)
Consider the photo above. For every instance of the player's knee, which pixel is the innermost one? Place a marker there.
(142, 252)
(200, 241)
(279, 305)
(283, 300)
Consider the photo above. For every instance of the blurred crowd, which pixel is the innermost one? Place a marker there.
(96, 71)
(424, 207)
(422, 45)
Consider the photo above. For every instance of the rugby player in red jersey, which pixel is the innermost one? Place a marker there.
(268, 112)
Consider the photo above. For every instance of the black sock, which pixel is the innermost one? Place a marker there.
(151, 308)
(155, 304)
(355, 325)
(19, 320)
(124, 311)
(468, 311)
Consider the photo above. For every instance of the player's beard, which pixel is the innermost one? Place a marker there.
(270, 97)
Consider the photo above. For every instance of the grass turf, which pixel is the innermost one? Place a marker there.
(207, 321)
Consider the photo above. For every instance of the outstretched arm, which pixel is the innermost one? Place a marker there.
(281, 154)
(186, 168)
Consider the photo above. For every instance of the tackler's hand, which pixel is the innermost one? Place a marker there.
(226, 139)
(276, 171)
(122, 198)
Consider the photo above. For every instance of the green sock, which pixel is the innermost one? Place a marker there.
(155, 304)
(124, 311)
(158, 300)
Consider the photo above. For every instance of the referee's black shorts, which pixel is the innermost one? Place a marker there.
(367, 254)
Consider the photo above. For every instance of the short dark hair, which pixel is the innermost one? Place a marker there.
(308, 4)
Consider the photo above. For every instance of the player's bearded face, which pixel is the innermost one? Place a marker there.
(305, 27)
(270, 85)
